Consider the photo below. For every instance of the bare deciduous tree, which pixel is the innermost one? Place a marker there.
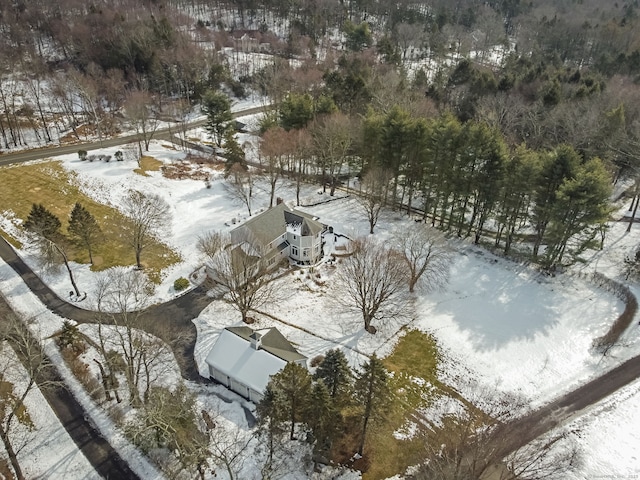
(240, 184)
(149, 215)
(121, 295)
(19, 352)
(332, 138)
(372, 282)
(479, 443)
(227, 446)
(139, 114)
(239, 271)
(375, 185)
(210, 243)
(426, 254)
(274, 148)
(169, 421)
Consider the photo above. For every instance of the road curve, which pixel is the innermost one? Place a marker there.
(524, 430)
(162, 134)
(165, 321)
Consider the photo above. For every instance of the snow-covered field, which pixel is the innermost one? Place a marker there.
(498, 321)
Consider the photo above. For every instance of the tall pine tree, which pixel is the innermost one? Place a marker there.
(293, 383)
(336, 375)
(271, 419)
(83, 226)
(556, 169)
(45, 228)
(217, 108)
(42, 222)
(322, 418)
(372, 393)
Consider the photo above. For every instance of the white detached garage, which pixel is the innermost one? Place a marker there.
(243, 359)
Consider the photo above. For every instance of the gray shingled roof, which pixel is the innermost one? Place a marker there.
(273, 342)
(267, 226)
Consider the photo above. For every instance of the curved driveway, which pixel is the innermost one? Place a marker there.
(173, 317)
(168, 321)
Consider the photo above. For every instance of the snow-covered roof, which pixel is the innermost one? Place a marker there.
(302, 223)
(234, 356)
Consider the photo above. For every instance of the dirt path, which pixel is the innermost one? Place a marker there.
(569, 406)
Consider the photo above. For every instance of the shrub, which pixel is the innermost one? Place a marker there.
(82, 155)
(315, 361)
(70, 339)
(180, 284)
(119, 156)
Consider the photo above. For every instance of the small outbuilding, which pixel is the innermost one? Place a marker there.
(243, 359)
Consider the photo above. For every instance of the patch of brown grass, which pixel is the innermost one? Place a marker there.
(148, 164)
(57, 189)
(12, 241)
(415, 356)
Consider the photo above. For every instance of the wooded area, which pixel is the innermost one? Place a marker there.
(493, 118)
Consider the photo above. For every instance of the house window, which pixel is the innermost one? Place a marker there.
(294, 250)
(272, 261)
(305, 252)
(294, 237)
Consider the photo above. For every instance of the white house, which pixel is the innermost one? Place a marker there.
(282, 232)
(244, 360)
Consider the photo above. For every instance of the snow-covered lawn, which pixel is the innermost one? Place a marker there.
(498, 321)
(46, 450)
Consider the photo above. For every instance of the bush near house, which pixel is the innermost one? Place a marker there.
(180, 284)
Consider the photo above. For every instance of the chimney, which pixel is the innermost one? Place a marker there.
(256, 340)
(279, 200)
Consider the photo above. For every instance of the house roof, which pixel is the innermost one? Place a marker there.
(267, 226)
(308, 225)
(234, 356)
(272, 341)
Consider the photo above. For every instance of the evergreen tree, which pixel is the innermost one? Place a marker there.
(296, 111)
(323, 418)
(271, 417)
(233, 153)
(45, 227)
(394, 142)
(336, 375)
(372, 393)
(556, 169)
(42, 222)
(217, 108)
(443, 150)
(293, 384)
(84, 227)
(517, 187)
(581, 207)
(490, 152)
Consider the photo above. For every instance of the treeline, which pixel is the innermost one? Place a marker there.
(334, 409)
(467, 181)
(463, 176)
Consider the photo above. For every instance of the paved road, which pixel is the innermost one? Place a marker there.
(104, 459)
(162, 134)
(170, 321)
